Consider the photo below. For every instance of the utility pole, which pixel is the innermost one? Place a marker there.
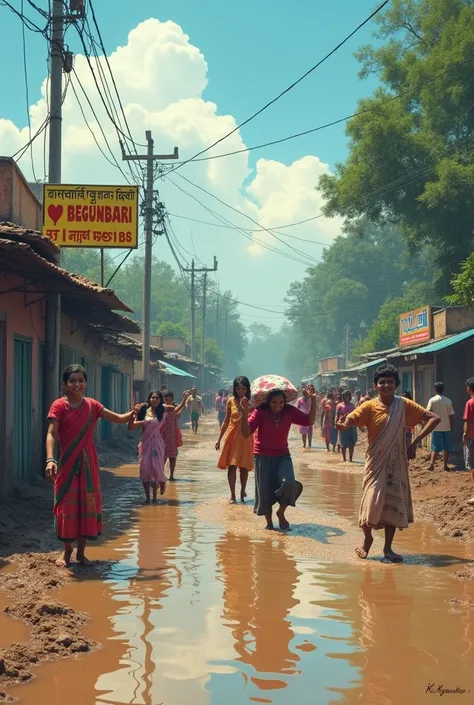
(203, 335)
(150, 158)
(192, 270)
(53, 301)
(193, 312)
(217, 316)
(347, 342)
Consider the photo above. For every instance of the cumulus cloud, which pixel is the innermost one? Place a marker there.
(161, 77)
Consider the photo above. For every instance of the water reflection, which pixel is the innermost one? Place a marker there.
(259, 581)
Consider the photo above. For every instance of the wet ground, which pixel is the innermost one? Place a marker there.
(196, 604)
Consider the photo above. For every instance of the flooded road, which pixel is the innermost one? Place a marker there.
(199, 605)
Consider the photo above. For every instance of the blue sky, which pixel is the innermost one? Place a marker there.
(253, 50)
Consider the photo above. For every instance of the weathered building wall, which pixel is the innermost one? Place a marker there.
(17, 203)
(23, 332)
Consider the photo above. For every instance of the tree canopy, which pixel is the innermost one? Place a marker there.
(411, 159)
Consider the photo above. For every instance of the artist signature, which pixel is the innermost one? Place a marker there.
(435, 689)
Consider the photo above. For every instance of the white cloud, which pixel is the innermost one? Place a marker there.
(161, 77)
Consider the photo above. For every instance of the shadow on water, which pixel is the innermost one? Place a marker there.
(318, 532)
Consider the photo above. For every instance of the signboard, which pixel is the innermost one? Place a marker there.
(415, 326)
(91, 216)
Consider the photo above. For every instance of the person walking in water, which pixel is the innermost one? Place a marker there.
(196, 409)
(328, 417)
(151, 449)
(77, 497)
(274, 474)
(348, 438)
(304, 405)
(238, 450)
(386, 496)
(172, 435)
(442, 438)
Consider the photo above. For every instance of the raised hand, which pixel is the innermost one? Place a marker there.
(244, 404)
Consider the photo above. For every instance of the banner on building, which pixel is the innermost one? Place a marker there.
(91, 216)
(415, 326)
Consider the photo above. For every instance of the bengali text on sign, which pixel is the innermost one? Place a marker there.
(91, 216)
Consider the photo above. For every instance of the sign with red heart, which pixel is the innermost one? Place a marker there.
(91, 216)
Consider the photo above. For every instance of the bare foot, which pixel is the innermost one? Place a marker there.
(65, 560)
(269, 527)
(83, 560)
(154, 500)
(392, 556)
(284, 524)
(243, 496)
(146, 500)
(470, 501)
(232, 500)
(162, 487)
(363, 551)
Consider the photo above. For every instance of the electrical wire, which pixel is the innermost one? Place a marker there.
(32, 26)
(114, 161)
(41, 128)
(299, 253)
(312, 130)
(275, 229)
(27, 92)
(289, 88)
(244, 234)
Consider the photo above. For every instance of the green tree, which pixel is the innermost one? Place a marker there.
(411, 160)
(384, 331)
(463, 284)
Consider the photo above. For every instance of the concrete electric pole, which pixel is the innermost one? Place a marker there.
(192, 270)
(150, 158)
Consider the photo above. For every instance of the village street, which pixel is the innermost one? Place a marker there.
(192, 601)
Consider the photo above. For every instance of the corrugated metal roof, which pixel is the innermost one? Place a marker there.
(444, 343)
(172, 370)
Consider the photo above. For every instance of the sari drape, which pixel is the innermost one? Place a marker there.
(77, 495)
(386, 493)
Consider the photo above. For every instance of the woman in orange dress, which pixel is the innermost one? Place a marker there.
(237, 451)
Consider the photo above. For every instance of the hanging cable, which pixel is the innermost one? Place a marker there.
(289, 88)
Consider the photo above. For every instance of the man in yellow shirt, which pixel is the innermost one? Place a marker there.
(386, 496)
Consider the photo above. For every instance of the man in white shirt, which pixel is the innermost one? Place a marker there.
(441, 439)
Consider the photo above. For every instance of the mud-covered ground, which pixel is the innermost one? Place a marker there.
(29, 549)
(28, 553)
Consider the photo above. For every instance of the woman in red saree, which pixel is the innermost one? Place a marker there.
(77, 496)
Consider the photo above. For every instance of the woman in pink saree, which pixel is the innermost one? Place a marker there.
(386, 496)
(151, 449)
(77, 496)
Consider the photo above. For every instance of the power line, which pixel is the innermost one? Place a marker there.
(236, 210)
(275, 229)
(27, 93)
(242, 232)
(289, 88)
(312, 130)
(114, 162)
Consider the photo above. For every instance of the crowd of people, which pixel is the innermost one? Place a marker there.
(254, 440)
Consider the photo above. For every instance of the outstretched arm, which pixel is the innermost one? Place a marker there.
(183, 403)
(117, 418)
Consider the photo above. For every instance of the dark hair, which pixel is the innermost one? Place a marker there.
(160, 409)
(345, 392)
(244, 381)
(407, 394)
(73, 369)
(439, 386)
(168, 393)
(271, 395)
(330, 396)
(470, 383)
(387, 371)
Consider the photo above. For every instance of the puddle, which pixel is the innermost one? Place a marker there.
(191, 611)
(11, 630)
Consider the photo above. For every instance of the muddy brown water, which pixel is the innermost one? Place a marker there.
(200, 606)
